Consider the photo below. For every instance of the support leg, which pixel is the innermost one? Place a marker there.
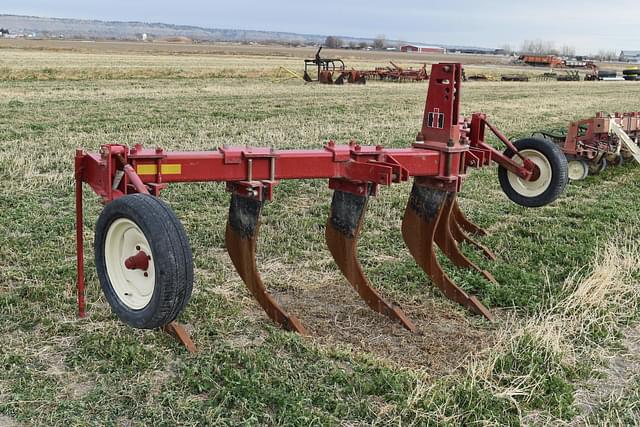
(177, 331)
(79, 236)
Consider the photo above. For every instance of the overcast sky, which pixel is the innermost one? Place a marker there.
(588, 25)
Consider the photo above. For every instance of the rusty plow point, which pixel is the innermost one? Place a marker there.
(341, 235)
(423, 213)
(448, 244)
(464, 223)
(178, 331)
(241, 236)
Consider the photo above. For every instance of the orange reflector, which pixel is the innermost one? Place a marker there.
(165, 169)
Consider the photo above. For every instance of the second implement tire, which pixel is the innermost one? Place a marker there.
(578, 169)
(553, 178)
(143, 260)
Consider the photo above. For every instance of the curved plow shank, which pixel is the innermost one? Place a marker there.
(423, 213)
(341, 235)
(464, 223)
(240, 237)
(460, 236)
(446, 242)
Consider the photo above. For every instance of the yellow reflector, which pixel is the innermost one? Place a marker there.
(166, 169)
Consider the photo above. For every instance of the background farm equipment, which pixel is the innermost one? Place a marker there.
(592, 144)
(397, 73)
(569, 76)
(542, 61)
(631, 74)
(331, 71)
(514, 78)
(143, 259)
(547, 76)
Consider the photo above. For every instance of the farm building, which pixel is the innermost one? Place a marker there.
(630, 56)
(422, 49)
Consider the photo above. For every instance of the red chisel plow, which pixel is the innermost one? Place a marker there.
(144, 261)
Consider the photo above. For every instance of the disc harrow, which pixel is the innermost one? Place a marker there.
(142, 253)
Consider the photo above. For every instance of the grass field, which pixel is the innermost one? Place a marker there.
(568, 272)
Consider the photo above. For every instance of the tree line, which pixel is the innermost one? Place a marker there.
(334, 42)
(545, 47)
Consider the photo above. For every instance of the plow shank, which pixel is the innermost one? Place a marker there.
(342, 231)
(240, 237)
(425, 210)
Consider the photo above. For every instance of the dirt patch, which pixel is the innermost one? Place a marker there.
(7, 421)
(335, 315)
(622, 370)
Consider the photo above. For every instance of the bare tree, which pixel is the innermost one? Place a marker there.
(379, 41)
(363, 45)
(332, 42)
(607, 55)
(538, 47)
(507, 49)
(568, 51)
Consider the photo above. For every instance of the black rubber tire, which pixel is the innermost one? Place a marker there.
(559, 173)
(617, 161)
(599, 167)
(607, 73)
(173, 261)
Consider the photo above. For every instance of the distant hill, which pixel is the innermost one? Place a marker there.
(94, 29)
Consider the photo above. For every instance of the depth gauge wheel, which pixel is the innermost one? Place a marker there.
(577, 169)
(552, 173)
(143, 260)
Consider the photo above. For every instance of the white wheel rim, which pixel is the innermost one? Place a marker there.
(540, 185)
(124, 240)
(577, 170)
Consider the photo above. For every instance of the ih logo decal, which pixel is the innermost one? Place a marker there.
(435, 119)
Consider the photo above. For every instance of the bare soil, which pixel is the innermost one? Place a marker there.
(335, 315)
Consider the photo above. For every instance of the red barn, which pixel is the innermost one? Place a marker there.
(422, 49)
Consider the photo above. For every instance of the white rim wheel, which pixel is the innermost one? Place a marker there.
(540, 185)
(578, 169)
(133, 286)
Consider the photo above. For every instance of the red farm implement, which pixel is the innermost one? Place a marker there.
(330, 71)
(592, 144)
(398, 74)
(142, 254)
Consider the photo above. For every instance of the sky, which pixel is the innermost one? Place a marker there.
(587, 25)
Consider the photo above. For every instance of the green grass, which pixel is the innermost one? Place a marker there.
(59, 370)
